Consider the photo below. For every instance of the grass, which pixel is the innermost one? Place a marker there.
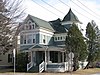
(87, 71)
(78, 72)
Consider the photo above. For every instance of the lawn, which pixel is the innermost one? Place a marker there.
(79, 72)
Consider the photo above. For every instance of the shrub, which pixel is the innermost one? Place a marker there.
(21, 63)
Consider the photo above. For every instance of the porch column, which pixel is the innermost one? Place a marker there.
(34, 58)
(31, 57)
(62, 56)
(59, 57)
(48, 56)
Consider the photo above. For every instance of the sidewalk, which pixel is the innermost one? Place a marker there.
(37, 74)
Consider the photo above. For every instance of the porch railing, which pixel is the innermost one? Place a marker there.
(57, 67)
(29, 65)
(41, 67)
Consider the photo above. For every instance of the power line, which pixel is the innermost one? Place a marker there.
(45, 8)
(57, 9)
(83, 9)
(74, 9)
(52, 6)
(88, 8)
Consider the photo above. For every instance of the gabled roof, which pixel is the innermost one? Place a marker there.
(41, 23)
(71, 17)
(37, 46)
(56, 25)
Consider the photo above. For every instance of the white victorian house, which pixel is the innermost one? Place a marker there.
(45, 42)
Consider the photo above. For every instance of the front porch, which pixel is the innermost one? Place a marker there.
(48, 58)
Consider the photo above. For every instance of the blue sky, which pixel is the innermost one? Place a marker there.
(36, 8)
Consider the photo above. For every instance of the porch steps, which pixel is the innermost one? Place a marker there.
(34, 69)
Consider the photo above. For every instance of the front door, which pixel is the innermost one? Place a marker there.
(54, 56)
(40, 56)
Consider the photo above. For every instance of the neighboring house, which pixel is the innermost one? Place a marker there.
(45, 41)
(6, 60)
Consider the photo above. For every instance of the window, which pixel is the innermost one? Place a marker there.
(58, 38)
(24, 39)
(33, 40)
(30, 27)
(34, 37)
(29, 39)
(27, 27)
(10, 58)
(55, 38)
(44, 39)
(21, 39)
(33, 25)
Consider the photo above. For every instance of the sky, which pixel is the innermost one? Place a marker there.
(85, 10)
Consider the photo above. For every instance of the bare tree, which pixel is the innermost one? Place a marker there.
(10, 14)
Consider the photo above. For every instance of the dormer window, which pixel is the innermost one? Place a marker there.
(59, 38)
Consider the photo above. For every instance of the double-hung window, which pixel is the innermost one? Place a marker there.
(34, 38)
(29, 38)
(44, 38)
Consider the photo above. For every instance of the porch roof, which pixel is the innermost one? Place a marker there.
(42, 48)
(46, 48)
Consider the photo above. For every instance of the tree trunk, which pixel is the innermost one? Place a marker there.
(75, 64)
(87, 66)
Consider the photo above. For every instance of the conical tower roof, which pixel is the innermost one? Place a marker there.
(71, 17)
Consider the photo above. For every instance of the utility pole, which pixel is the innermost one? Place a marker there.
(14, 52)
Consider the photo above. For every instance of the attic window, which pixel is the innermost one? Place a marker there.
(33, 25)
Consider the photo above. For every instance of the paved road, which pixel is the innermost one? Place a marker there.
(96, 74)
